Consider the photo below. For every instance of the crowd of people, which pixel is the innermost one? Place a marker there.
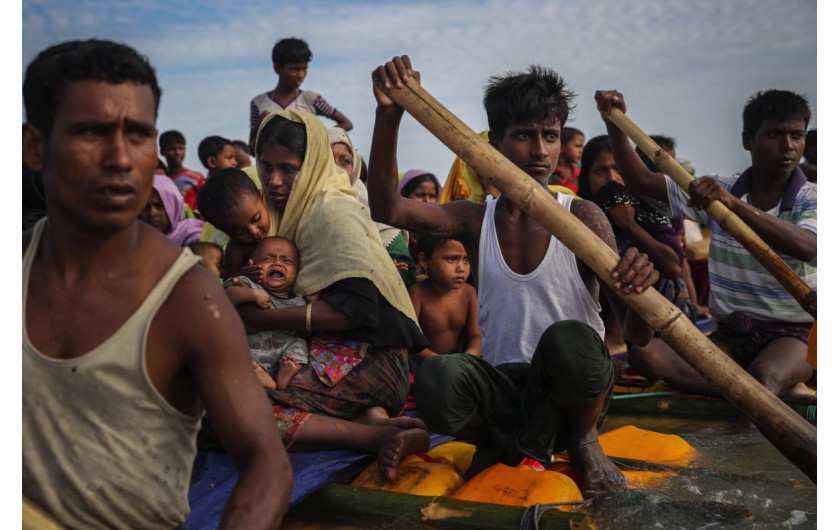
(296, 298)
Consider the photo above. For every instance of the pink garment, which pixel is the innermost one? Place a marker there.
(412, 173)
(182, 231)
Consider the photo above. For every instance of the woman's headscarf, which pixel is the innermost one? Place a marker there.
(333, 231)
(182, 231)
(339, 136)
(411, 174)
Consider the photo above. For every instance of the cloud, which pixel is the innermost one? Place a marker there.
(686, 67)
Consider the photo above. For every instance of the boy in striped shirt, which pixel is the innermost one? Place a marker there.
(760, 324)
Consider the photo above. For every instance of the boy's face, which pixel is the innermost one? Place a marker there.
(278, 260)
(777, 146)
(99, 160)
(573, 149)
(174, 153)
(225, 159)
(292, 74)
(247, 222)
(448, 266)
(533, 147)
(213, 260)
(155, 213)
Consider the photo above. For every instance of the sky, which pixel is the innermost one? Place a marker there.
(686, 67)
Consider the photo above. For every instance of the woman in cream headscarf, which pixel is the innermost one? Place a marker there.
(394, 240)
(363, 326)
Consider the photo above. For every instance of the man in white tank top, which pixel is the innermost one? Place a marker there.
(555, 399)
(126, 340)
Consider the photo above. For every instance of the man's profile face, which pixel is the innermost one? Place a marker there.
(534, 147)
(99, 160)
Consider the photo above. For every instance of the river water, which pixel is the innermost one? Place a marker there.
(737, 480)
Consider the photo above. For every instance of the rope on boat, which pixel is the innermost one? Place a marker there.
(809, 412)
(618, 397)
(532, 515)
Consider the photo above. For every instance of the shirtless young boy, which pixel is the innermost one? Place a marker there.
(539, 320)
(446, 306)
(279, 352)
(126, 340)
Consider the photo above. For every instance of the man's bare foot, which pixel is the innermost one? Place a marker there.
(263, 377)
(798, 394)
(394, 447)
(596, 472)
(378, 416)
(288, 368)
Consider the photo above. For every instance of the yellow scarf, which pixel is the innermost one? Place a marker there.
(333, 231)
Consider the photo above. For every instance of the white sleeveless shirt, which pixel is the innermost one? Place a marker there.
(515, 309)
(102, 448)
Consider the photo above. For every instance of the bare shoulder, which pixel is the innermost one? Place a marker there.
(592, 216)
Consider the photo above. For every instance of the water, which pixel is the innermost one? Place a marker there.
(738, 480)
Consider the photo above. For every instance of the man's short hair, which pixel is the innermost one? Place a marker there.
(211, 146)
(78, 60)
(222, 193)
(776, 105)
(291, 50)
(171, 137)
(524, 97)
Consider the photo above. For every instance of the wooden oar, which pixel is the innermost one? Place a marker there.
(733, 224)
(787, 430)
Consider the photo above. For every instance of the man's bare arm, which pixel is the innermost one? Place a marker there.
(206, 330)
(636, 175)
(633, 273)
(386, 204)
(783, 236)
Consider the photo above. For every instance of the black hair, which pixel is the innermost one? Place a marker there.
(198, 247)
(239, 144)
(428, 244)
(280, 131)
(591, 150)
(77, 60)
(415, 182)
(272, 238)
(524, 97)
(211, 146)
(810, 142)
(162, 165)
(777, 105)
(171, 137)
(291, 50)
(567, 134)
(665, 142)
(222, 193)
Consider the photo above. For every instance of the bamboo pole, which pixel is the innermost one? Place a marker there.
(733, 224)
(787, 430)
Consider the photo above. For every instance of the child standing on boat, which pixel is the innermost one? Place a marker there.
(277, 354)
(445, 304)
(291, 60)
